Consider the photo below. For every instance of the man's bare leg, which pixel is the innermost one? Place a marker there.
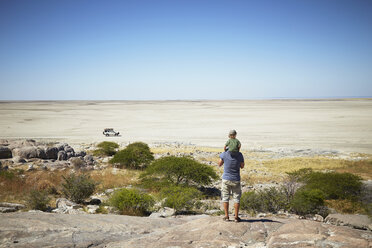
(226, 208)
(236, 206)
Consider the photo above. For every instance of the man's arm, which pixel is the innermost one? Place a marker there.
(220, 163)
(242, 165)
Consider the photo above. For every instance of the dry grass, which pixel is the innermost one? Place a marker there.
(347, 206)
(16, 187)
(114, 178)
(361, 168)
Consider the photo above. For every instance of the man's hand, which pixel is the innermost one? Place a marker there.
(220, 163)
(242, 165)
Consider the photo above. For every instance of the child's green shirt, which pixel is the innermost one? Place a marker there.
(233, 145)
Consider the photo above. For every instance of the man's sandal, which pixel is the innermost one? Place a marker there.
(237, 219)
(226, 218)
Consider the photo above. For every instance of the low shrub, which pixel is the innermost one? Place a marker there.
(131, 202)
(180, 170)
(308, 201)
(134, 156)
(38, 200)
(180, 198)
(78, 187)
(101, 210)
(335, 185)
(266, 200)
(106, 148)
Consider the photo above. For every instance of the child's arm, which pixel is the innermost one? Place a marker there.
(224, 148)
(239, 145)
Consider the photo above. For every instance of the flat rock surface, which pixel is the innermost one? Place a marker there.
(27, 229)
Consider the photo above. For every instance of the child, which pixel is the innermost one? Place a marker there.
(233, 144)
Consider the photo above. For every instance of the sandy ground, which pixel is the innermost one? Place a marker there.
(343, 125)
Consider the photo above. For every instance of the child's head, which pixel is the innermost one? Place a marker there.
(232, 134)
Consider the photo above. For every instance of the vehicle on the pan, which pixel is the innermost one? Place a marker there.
(110, 132)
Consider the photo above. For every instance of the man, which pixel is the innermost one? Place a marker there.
(233, 162)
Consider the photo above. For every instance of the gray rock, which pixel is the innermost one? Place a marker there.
(5, 152)
(92, 209)
(88, 158)
(51, 152)
(7, 210)
(26, 152)
(318, 217)
(12, 205)
(95, 201)
(352, 220)
(30, 167)
(64, 203)
(69, 149)
(19, 160)
(65, 206)
(69, 155)
(61, 147)
(80, 154)
(163, 212)
(88, 230)
(61, 155)
(41, 153)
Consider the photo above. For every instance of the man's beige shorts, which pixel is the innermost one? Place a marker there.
(231, 188)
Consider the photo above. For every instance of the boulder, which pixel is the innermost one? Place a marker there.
(12, 205)
(69, 155)
(351, 220)
(163, 213)
(95, 201)
(51, 152)
(92, 209)
(65, 206)
(88, 158)
(80, 154)
(27, 152)
(41, 153)
(5, 152)
(19, 160)
(7, 210)
(69, 149)
(30, 167)
(61, 155)
(61, 147)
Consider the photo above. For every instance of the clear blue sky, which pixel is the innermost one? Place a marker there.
(125, 50)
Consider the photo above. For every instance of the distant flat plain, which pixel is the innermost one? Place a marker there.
(329, 124)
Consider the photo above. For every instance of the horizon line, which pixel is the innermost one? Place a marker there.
(196, 99)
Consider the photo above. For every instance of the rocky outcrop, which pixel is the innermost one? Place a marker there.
(352, 220)
(7, 207)
(65, 206)
(51, 152)
(5, 152)
(34, 229)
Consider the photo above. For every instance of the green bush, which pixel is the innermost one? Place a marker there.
(106, 148)
(78, 187)
(38, 200)
(180, 170)
(132, 202)
(335, 185)
(134, 156)
(180, 198)
(266, 200)
(308, 201)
